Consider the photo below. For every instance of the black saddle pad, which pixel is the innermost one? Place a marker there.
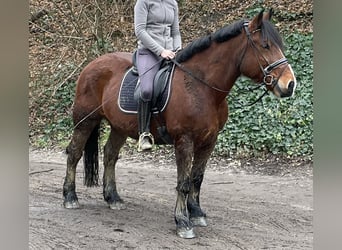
(162, 88)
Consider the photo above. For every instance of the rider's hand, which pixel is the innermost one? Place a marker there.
(167, 54)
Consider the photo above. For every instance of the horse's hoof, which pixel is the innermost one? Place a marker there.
(186, 233)
(71, 204)
(117, 206)
(199, 221)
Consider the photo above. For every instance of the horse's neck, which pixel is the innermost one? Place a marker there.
(219, 65)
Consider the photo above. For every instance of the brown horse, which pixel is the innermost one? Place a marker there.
(197, 110)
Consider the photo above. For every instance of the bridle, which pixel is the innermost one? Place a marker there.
(268, 79)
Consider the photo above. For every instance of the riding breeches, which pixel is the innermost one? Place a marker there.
(148, 65)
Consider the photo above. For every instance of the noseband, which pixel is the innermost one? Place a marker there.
(268, 79)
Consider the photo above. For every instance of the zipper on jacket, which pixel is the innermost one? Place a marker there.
(164, 21)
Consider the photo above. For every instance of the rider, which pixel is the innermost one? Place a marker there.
(156, 26)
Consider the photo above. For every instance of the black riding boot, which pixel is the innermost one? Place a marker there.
(144, 116)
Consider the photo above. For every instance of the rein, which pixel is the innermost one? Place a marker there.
(268, 79)
(215, 88)
(196, 77)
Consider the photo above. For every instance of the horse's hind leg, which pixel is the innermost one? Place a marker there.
(184, 153)
(111, 152)
(201, 156)
(74, 152)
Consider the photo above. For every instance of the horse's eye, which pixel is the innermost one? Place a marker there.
(266, 46)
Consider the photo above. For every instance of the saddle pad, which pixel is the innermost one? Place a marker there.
(128, 104)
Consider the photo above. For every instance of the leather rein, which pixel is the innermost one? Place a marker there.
(268, 79)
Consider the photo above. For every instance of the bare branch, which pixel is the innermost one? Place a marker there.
(66, 79)
(42, 171)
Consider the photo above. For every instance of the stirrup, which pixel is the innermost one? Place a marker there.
(145, 146)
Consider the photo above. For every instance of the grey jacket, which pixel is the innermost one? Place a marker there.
(156, 25)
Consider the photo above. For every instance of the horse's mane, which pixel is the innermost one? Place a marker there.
(224, 34)
(203, 43)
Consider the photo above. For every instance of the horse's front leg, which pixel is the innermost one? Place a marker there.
(184, 153)
(201, 156)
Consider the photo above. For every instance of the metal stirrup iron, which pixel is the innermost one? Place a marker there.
(145, 136)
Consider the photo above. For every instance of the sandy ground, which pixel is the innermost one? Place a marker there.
(248, 206)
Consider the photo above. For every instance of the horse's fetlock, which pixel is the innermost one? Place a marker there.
(195, 210)
(69, 186)
(183, 222)
(110, 193)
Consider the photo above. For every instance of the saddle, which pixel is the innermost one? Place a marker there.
(130, 89)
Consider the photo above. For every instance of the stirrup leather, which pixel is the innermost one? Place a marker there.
(142, 136)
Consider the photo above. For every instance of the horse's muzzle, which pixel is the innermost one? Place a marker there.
(290, 89)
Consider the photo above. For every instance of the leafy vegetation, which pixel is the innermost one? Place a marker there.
(66, 35)
(278, 126)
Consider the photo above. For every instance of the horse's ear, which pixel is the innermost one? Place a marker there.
(256, 21)
(267, 16)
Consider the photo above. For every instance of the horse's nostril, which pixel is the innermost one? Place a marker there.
(290, 89)
(291, 86)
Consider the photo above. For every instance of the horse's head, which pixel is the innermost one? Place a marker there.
(263, 59)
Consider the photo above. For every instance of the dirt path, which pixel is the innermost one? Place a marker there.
(248, 207)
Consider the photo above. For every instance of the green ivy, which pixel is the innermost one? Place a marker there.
(53, 112)
(278, 126)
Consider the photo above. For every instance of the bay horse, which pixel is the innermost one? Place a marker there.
(206, 69)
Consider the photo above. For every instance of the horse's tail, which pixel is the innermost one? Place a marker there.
(91, 159)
